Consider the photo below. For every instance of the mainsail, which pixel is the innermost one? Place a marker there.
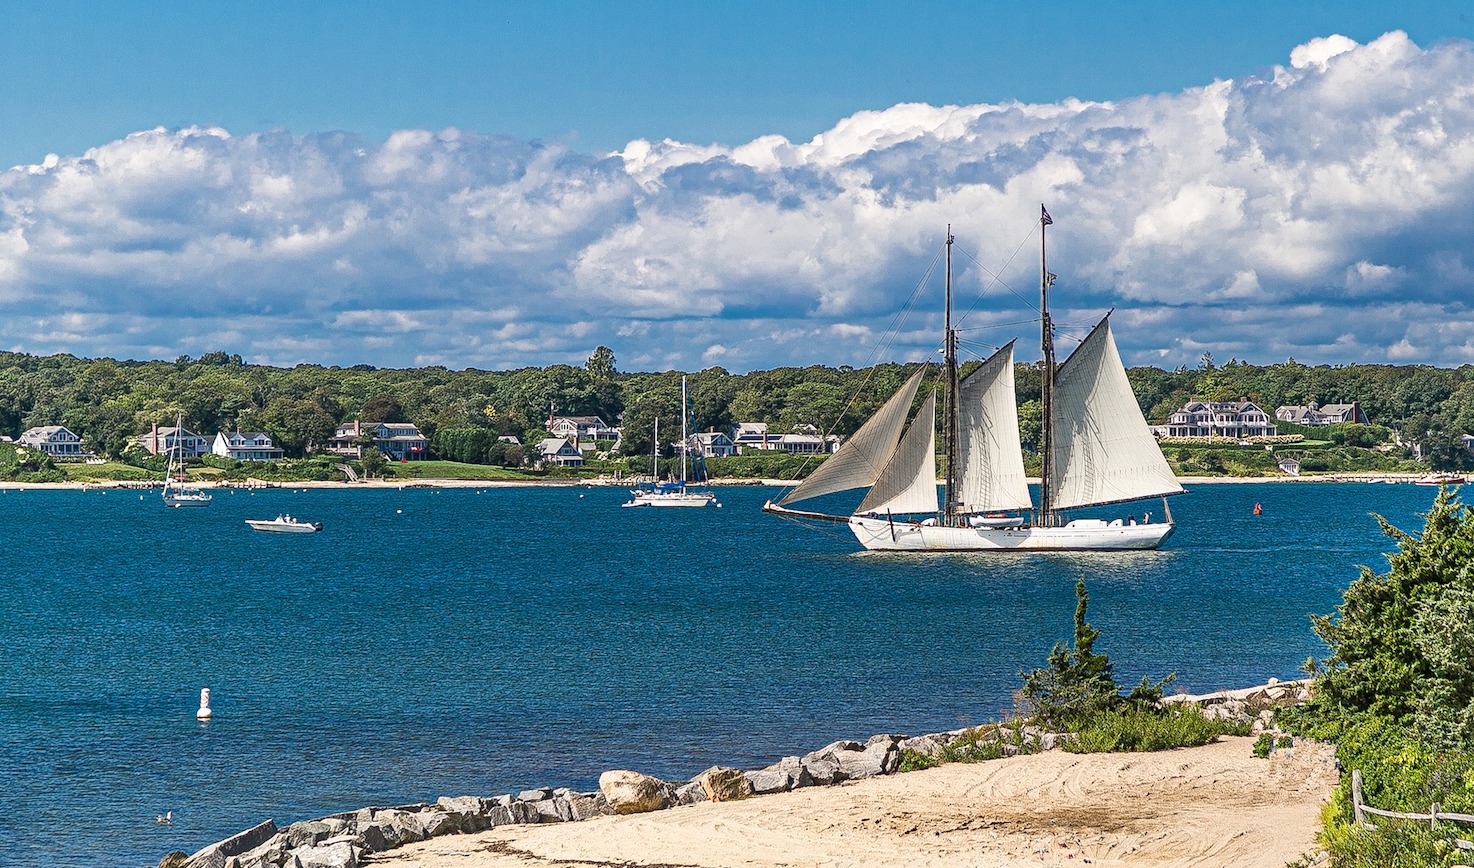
(909, 482)
(990, 459)
(1103, 451)
(859, 462)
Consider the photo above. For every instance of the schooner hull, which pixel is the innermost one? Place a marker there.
(879, 534)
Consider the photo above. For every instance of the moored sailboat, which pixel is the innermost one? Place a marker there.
(1096, 450)
(176, 494)
(671, 493)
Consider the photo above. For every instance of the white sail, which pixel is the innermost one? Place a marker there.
(860, 460)
(990, 461)
(1102, 450)
(909, 482)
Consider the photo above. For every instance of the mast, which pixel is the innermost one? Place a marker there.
(950, 486)
(685, 441)
(655, 455)
(1046, 340)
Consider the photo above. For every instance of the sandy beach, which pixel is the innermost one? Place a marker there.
(1209, 806)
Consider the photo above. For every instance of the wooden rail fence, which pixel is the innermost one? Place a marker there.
(1361, 809)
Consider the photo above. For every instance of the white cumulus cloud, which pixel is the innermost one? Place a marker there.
(1320, 211)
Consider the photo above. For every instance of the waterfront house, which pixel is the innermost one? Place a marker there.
(1317, 415)
(1235, 419)
(559, 452)
(397, 441)
(172, 440)
(752, 435)
(710, 444)
(246, 446)
(54, 440)
(582, 431)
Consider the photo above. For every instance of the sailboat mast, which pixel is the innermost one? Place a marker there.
(950, 420)
(685, 441)
(1046, 340)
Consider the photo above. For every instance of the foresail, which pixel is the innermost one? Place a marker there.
(1102, 450)
(864, 455)
(990, 461)
(908, 484)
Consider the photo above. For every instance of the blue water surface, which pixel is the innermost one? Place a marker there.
(441, 642)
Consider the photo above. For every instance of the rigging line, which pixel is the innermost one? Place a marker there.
(1000, 325)
(999, 280)
(894, 331)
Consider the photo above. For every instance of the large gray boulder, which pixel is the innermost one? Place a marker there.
(586, 805)
(632, 793)
(879, 758)
(269, 854)
(721, 784)
(926, 745)
(214, 856)
(439, 822)
(339, 855)
(310, 833)
(391, 828)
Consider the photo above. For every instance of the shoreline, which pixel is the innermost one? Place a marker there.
(381, 484)
(851, 803)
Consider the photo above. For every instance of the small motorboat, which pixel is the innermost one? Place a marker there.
(1441, 479)
(284, 524)
(995, 519)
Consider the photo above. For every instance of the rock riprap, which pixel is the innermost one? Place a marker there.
(343, 840)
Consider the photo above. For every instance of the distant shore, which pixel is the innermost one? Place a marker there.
(380, 484)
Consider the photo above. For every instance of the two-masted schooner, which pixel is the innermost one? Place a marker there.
(1096, 450)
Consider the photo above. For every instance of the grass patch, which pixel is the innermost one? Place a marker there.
(1137, 729)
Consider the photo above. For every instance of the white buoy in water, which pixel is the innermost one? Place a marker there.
(204, 712)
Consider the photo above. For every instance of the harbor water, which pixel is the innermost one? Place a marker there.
(437, 642)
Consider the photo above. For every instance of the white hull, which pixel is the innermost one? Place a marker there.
(688, 499)
(879, 534)
(284, 525)
(177, 498)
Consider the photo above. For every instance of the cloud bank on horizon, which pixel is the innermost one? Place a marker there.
(1322, 211)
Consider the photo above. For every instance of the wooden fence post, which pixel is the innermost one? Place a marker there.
(1433, 816)
(1356, 797)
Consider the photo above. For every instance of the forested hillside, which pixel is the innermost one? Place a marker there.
(109, 402)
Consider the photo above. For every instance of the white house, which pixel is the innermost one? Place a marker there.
(170, 440)
(581, 431)
(1234, 419)
(54, 440)
(558, 451)
(710, 444)
(246, 446)
(750, 434)
(398, 441)
(1316, 415)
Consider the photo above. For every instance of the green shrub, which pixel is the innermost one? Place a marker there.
(1141, 729)
(975, 745)
(915, 760)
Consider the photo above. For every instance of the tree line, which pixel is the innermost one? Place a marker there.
(109, 402)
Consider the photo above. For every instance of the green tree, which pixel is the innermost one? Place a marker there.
(1077, 682)
(600, 364)
(1380, 635)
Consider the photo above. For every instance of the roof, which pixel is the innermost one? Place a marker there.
(580, 420)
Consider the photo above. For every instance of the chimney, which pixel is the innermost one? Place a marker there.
(155, 450)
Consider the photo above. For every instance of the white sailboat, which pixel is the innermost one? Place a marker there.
(1096, 450)
(176, 494)
(671, 493)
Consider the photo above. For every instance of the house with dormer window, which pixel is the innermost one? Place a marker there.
(558, 452)
(172, 440)
(53, 440)
(1235, 419)
(397, 441)
(246, 446)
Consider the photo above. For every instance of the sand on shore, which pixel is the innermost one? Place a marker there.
(1209, 806)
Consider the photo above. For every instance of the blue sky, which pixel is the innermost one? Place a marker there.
(404, 184)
